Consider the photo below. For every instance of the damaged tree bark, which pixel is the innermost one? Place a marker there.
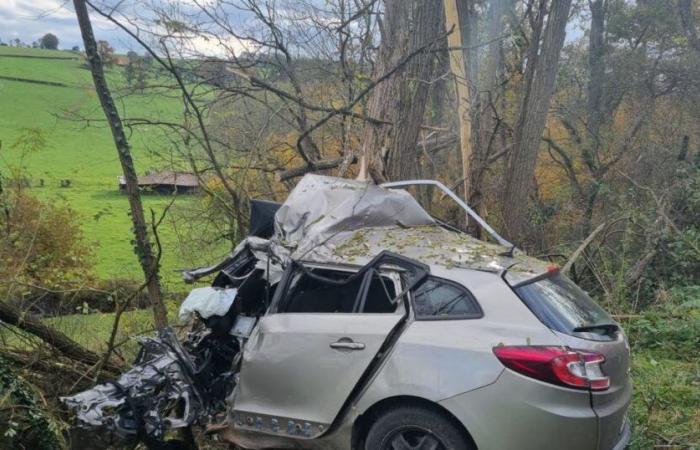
(143, 248)
(458, 67)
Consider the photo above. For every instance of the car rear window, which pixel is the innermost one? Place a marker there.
(438, 299)
(563, 306)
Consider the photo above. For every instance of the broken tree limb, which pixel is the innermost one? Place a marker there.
(67, 346)
(581, 248)
(298, 171)
(459, 71)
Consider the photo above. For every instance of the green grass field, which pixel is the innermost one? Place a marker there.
(84, 153)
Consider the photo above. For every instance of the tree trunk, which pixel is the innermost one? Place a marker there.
(389, 151)
(540, 73)
(596, 71)
(490, 134)
(143, 248)
(61, 342)
(595, 113)
(456, 21)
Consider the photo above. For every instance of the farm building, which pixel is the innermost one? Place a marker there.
(166, 182)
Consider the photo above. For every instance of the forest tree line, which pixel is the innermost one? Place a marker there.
(558, 121)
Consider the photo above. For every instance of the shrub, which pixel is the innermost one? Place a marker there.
(41, 243)
(25, 421)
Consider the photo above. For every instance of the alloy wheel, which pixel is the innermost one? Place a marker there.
(412, 438)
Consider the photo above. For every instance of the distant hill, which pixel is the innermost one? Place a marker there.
(52, 91)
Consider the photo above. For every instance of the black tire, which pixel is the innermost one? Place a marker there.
(415, 428)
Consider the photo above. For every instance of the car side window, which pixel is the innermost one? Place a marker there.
(380, 296)
(437, 298)
(307, 293)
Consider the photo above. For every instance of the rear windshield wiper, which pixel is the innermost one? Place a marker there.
(608, 328)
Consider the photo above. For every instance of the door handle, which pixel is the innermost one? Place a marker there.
(347, 344)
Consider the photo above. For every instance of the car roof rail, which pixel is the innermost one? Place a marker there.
(470, 212)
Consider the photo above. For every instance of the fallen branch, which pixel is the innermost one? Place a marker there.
(581, 248)
(626, 316)
(67, 346)
(317, 165)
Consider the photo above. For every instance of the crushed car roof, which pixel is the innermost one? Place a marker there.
(320, 207)
(340, 221)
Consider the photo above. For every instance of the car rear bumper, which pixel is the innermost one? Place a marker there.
(517, 412)
(625, 436)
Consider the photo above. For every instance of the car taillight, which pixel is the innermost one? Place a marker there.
(558, 365)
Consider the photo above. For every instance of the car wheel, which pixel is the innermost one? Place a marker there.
(415, 428)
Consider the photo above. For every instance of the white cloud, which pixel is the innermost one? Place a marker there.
(29, 20)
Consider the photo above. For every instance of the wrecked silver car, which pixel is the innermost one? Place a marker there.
(352, 319)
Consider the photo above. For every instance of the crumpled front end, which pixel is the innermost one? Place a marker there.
(170, 386)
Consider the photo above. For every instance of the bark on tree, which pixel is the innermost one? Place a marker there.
(596, 71)
(538, 85)
(389, 151)
(149, 263)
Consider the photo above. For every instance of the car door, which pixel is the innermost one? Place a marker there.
(307, 354)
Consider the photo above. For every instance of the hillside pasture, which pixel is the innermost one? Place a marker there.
(81, 151)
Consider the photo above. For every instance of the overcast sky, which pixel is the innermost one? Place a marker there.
(28, 20)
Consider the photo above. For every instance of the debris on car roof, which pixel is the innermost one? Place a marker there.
(429, 244)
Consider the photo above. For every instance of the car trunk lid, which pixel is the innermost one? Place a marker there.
(582, 324)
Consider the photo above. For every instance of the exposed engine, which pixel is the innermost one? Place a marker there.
(176, 384)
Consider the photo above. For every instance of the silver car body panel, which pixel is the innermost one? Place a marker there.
(305, 390)
(517, 412)
(520, 413)
(290, 371)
